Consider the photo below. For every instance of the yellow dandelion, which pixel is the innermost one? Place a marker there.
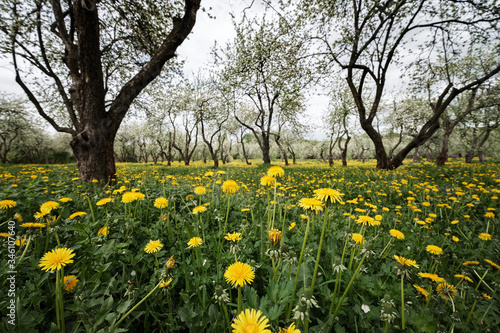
(208, 174)
(325, 194)
(49, 206)
(433, 249)
(161, 203)
(292, 225)
(104, 201)
(195, 242)
(311, 204)
(104, 231)
(4, 204)
(484, 236)
(230, 186)
(189, 197)
(492, 263)
(64, 200)
(489, 214)
(367, 221)
(77, 214)
(33, 225)
(245, 210)
(304, 217)
(239, 274)
(396, 233)
(465, 277)
(267, 181)
(455, 238)
(433, 277)
(290, 329)
(406, 262)
(472, 262)
(199, 209)
(18, 217)
(250, 321)
(233, 237)
(485, 295)
(170, 263)
(164, 284)
(274, 236)
(56, 259)
(200, 190)
(20, 242)
(70, 282)
(139, 196)
(446, 291)
(422, 291)
(128, 197)
(275, 171)
(4, 234)
(153, 246)
(358, 238)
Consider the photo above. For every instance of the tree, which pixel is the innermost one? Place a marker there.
(266, 67)
(86, 61)
(14, 124)
(367, 38)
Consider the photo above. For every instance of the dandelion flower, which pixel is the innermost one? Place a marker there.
(189, 197)
(325, 194)
(485, 295)
(161, 203)
(250, 321)
(367, 220)
(200, 190)
(104, 201)
(20, 242)
(446, 291)
(18, 217)
(4, 204)
(49, 206)
(239, 274)
(230, 186)
(64, 200)
(290, 329)
(128, 197)
(5, 234)
(469, 263)
(358, 238)
(292, 226)
(245, 210)
(104, 231)
(433, 249)
(75, 215)
(433, 277)
(55, 259)
(267, 181)
(422, 291)
(396, 233)
(489, 214)
(170, 263)
(153, 246)
(455, 238)
(406, 262)
(195, 242)
(33, 225)
(199, 209)
(465, 277)
(484, 236)
(492, 263)
(164, 284)
(275, 171)
(234, 237)
(311, 204)
(70, 282)
(274, 236)
(208, 174)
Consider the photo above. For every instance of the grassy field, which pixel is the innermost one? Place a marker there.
(312, 248)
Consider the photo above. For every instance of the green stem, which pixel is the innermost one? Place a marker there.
(346, 291)
(315, 272)
(274, 204)
(58, 313)
(25, 249)
(402, 303)
(298, 269)
(135, 306)
(91, 209)
(240, 301)
(227, 213)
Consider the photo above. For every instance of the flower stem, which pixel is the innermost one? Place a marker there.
(315, 272)
(227, 213)
(298, 270)
(240, 300)
(135, 306)
(402, 303)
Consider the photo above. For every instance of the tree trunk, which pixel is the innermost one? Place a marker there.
(93, 150)
(266, 149)
(283, 151)
(344, 151)
(245, 152)
(415, 155)
(443, 155)
(469, 157)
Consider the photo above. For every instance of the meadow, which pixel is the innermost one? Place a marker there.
(301, 248)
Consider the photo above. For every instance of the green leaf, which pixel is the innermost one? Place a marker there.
(251, 297)
(123, 306)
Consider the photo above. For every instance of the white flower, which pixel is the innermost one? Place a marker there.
(365, 308)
